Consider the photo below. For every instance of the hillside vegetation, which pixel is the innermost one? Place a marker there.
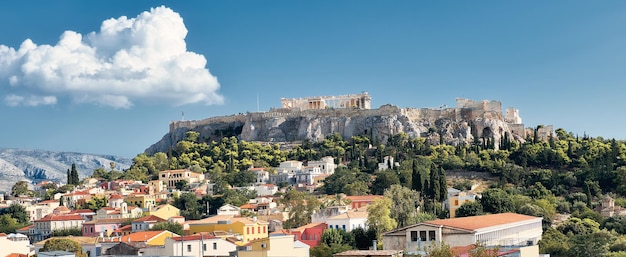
(566, 174)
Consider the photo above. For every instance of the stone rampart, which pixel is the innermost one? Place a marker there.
(190, 124)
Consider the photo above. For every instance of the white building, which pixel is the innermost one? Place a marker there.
(44, 227)
(289, 166)
(326, 164)
(266, 189)
(197, 245)
(503, 229)
(14, 243)
(348, 220)
(228, 209)
(262, 175)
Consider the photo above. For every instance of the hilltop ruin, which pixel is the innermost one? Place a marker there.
(312, 118)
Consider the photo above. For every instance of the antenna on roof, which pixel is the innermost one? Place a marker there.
(182, 115)
(257, 102)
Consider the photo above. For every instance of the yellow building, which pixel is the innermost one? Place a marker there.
(456, 198)
(274, 246)
(249, 229)
(170, 177)
(165, 211)
(141, 200)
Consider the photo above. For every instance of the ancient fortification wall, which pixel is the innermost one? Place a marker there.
(468, 120)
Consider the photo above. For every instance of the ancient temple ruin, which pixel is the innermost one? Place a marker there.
(357, 101)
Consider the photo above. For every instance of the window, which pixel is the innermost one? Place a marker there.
(203, 247)
(264, 229)
(431, 235)
(343, 227)
(214, 246)
(414, 236)
(456, 202)
(423, 235)
(247, 230)
(258, 230)
(188, 248)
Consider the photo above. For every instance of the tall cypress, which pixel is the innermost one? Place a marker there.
(417, 182)
(443, 186)
(74, 174)
(69, 178)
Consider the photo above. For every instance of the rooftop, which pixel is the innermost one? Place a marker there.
(483, 221)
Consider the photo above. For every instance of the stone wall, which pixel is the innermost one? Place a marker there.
(470, 119)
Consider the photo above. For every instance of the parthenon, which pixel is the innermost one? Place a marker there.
(358, 101)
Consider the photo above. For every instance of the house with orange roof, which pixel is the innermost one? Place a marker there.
(51, 222)
(198, 245)
(125, 230)
(76, 198)
(262, 175)
(248, 228)
(310, 234)
(502, 229)
(15, 244)
(141, 239)
(124, 212)
(145, 223)
(360, 201)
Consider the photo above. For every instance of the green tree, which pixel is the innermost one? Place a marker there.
(17, 211)
(472, 208)
(379, 216)
(74, 175)
(173, 227)
(384, 179)
(96, 203)
(301, 206)
(555, 243)
(63, 244)
(188, 205)
(404, 204)
(67, 232)
(20, 188)
(8, 224)
(495, 200)
(439, 250)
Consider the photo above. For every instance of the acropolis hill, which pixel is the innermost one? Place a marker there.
(312, 118)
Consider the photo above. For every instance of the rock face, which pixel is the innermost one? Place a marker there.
(462, 124)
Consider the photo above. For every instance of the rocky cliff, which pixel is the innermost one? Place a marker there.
(454, 125)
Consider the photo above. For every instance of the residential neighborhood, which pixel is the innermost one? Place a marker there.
(134, 218)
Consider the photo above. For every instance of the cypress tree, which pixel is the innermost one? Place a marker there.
(69, 178)
(434, 190)
(417, 182)
(443, 185)
(74, 174)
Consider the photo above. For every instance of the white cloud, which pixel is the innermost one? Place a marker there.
(137, 59)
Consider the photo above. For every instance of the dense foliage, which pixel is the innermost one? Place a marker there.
(564, 174)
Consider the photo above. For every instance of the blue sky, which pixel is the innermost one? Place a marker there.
(558, 62)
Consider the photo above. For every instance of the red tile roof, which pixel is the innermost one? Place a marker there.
(17, 255)
(362, 198)
(81, 211)
(142, 236)
(52, 217)
(483, 221)
(3, 234)
(27, 227)
(149, 218)
(194, 237)
(124, 228)
(116, 196)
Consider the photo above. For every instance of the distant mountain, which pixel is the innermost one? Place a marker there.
(38, 165)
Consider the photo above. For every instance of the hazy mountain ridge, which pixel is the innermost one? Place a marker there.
(37, 165)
